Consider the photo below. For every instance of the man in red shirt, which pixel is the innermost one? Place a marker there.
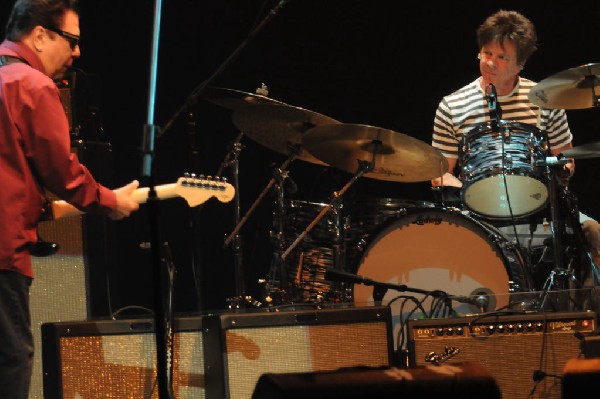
(42, 40)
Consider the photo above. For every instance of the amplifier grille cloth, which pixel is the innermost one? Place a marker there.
(291, 349)
(112, 366)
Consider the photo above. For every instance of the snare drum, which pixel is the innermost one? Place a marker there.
(499, 171)
(434, 249)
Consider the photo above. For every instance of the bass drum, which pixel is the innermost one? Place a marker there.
(434, 249)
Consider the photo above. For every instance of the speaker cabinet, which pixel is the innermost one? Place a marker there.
(459, 381)
(239, 348)
(117, 359)
(62, 288)
(514, 348)
(214, 357)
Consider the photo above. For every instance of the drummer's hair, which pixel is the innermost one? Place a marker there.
(509, 25)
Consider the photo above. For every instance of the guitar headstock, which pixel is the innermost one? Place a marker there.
(197, 190)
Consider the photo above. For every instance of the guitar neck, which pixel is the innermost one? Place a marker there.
(62, 209)
(195, 192)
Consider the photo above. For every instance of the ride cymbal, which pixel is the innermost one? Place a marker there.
(235, 99)
(397, 157)
(575, 88)
(280, 127)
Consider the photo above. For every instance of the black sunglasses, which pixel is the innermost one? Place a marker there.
(72, 39)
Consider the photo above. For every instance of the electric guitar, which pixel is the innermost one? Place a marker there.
(195, 191)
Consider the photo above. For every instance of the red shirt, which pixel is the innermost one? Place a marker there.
(35, 154)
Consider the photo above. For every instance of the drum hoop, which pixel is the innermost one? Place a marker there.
(483, 230)
(487, 126)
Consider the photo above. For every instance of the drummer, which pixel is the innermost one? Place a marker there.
(506, 40)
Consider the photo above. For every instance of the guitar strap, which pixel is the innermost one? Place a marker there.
(9, 59)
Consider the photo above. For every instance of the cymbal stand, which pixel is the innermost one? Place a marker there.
(277, 283)
(232, 160)
(560, 276)
(280, 175)
(363, 167)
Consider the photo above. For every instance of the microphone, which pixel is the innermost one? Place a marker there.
(344, 277)
(493, 106)
(481, 302)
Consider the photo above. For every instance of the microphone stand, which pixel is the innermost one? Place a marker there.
(161, 325)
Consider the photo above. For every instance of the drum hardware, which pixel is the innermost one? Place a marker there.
(574, 88)
(335, 203)
(563, 277)
(231, 160)
(280, 174)
(279, 127)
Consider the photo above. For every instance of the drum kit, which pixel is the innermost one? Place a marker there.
(413, 243)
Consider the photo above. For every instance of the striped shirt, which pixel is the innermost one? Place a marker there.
(467, 109)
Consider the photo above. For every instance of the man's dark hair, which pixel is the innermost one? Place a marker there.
(509, 25)
(27, 14)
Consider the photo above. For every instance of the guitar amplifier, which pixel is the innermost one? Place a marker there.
(239, 348)
(117, 359)
(525, 353)
(215, 357)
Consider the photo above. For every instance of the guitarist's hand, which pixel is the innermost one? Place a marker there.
(125, 203)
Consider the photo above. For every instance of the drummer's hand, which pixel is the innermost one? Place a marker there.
(448, 179)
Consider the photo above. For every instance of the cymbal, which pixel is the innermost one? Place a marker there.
(234, 99)
(590, 150)
(278, 126)
(575, 88)
(399, 157)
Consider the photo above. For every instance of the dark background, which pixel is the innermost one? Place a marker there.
(381, 63)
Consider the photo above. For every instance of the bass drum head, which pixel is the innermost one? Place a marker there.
(433, 249)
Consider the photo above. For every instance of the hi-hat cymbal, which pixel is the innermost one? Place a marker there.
(278, 127)
(590, 150)
(235, 99)
(397, 157)
(575, 88)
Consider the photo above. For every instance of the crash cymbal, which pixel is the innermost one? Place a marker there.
(234, 99)
(399, 157)
(278, 126)
(575, 88)
(590, 150)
